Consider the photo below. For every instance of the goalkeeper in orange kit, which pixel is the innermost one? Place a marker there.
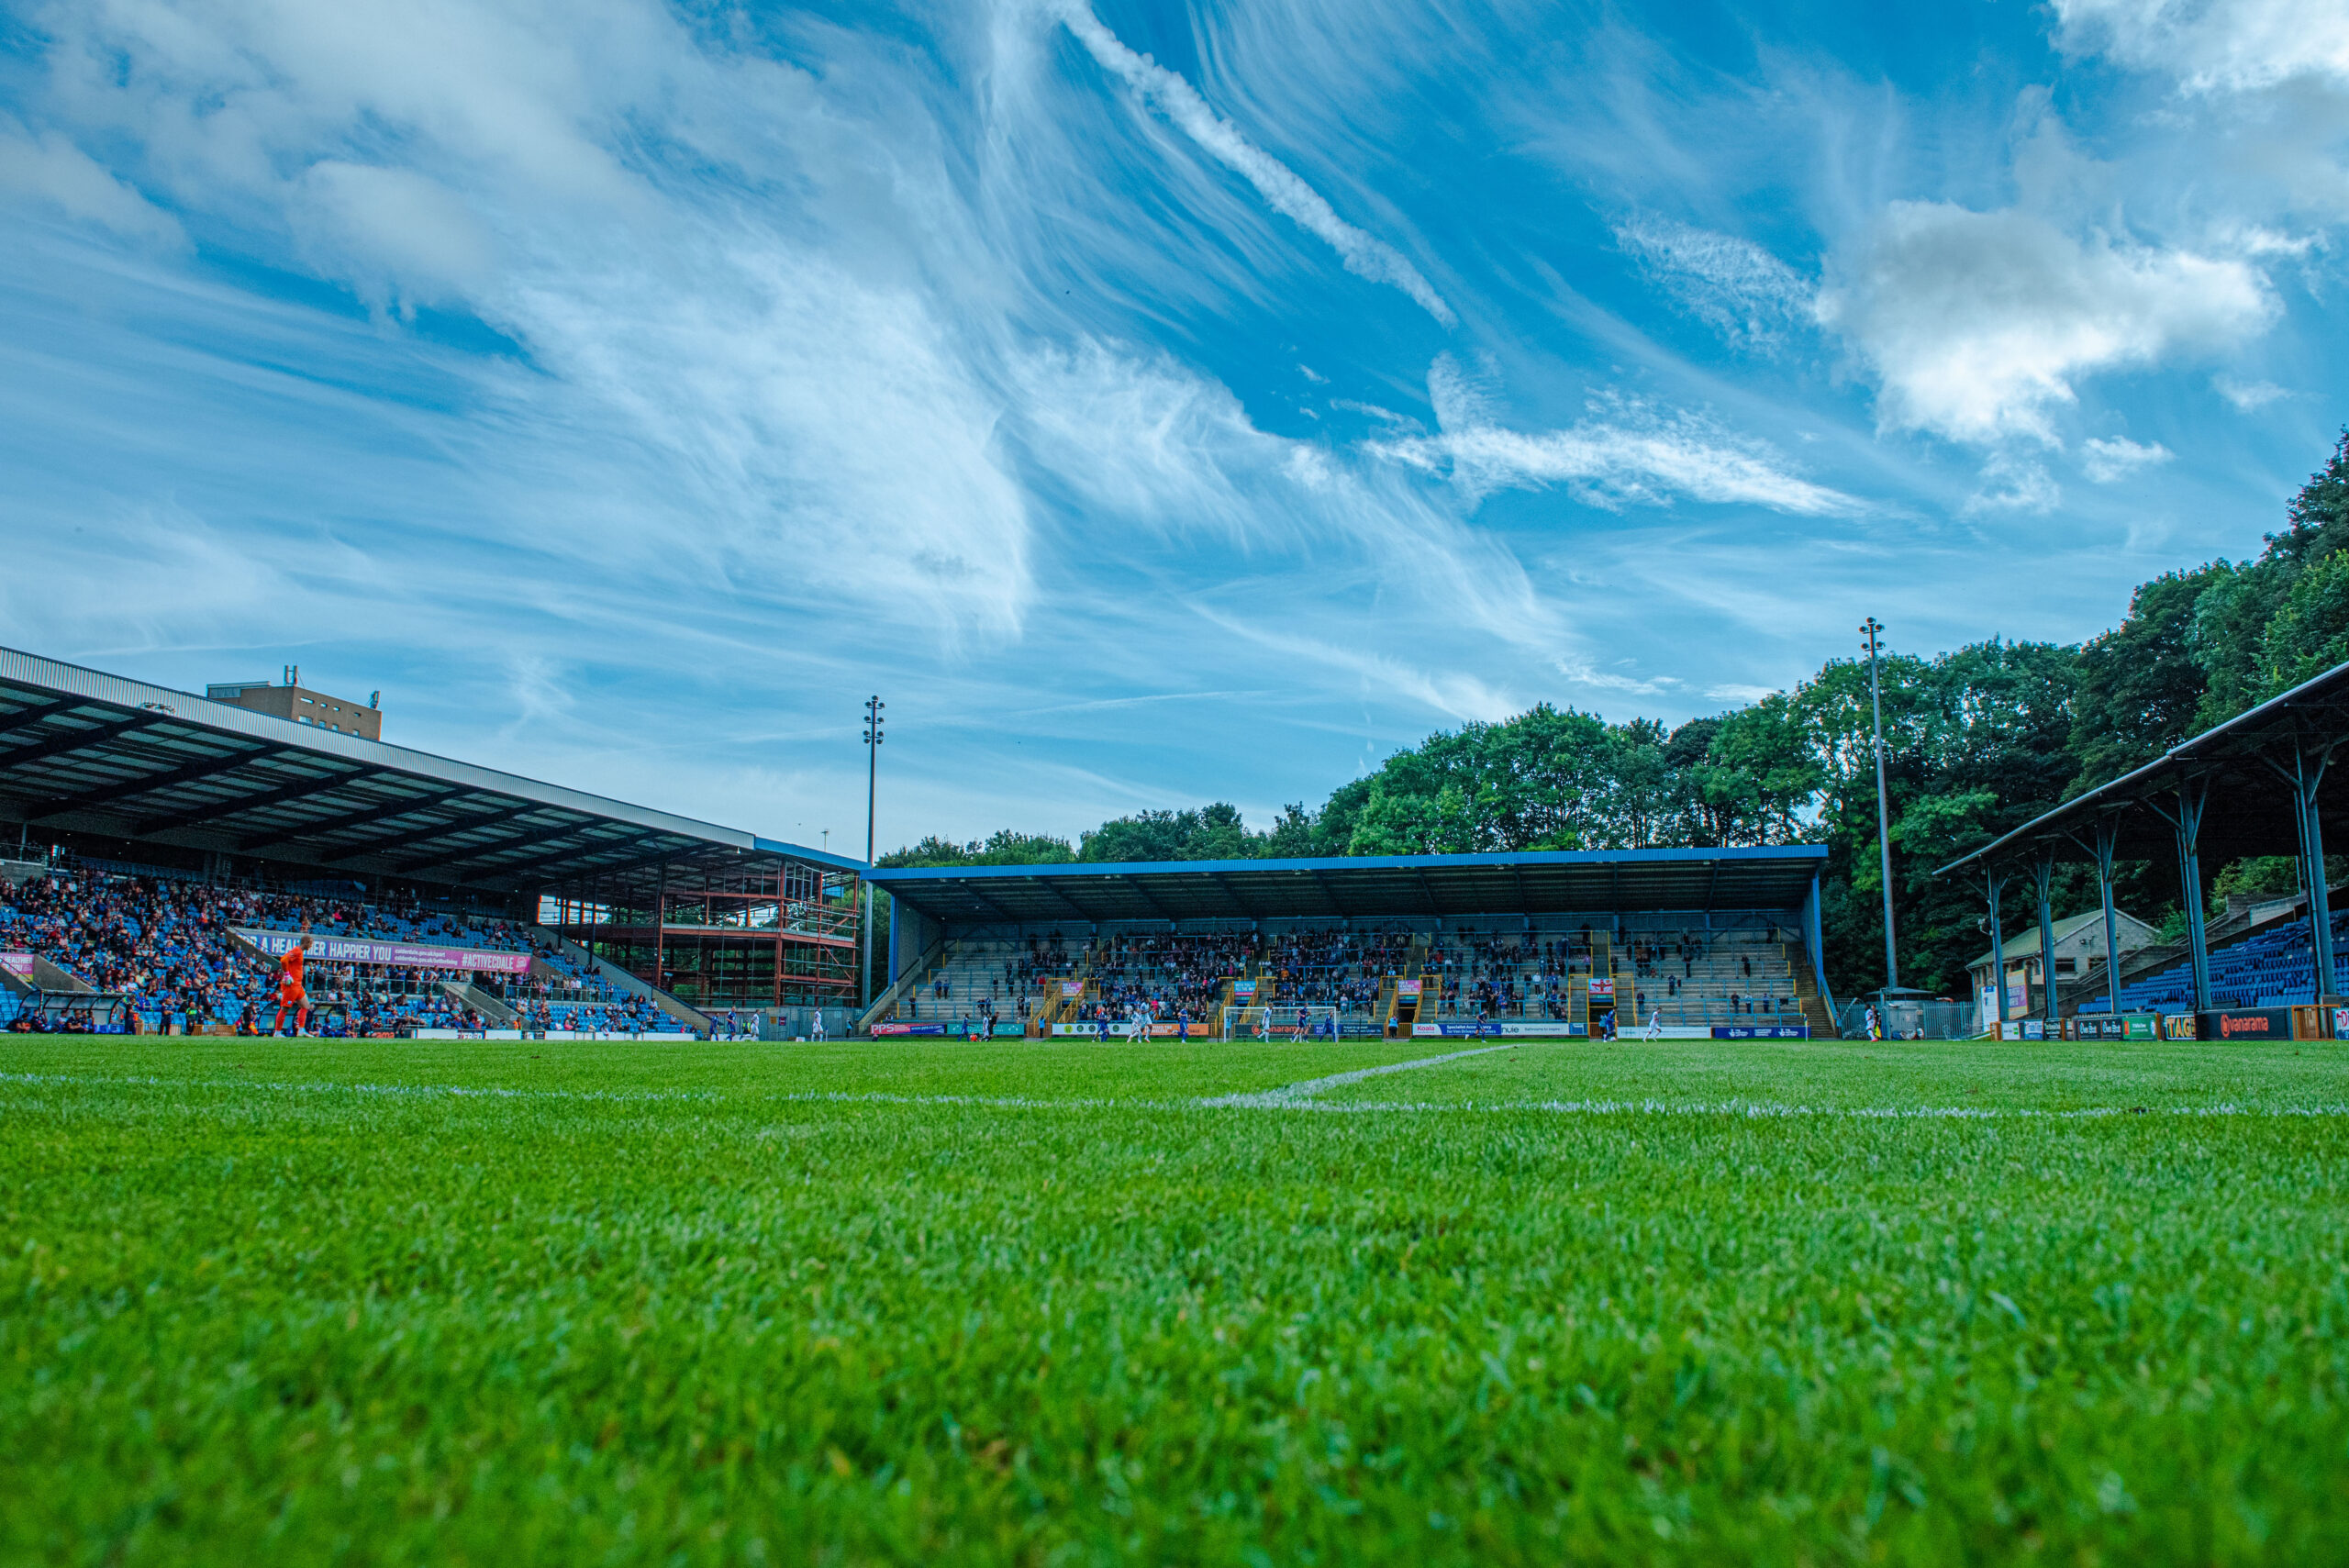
(290, 993)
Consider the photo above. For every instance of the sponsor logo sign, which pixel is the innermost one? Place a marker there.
(1761, 1032)
(1531, 1028)
(2034, 1029)
(1015, 1030)
(1072, 987)
(1243, 990)
(2254, 1023)
(396, 955)
(2341, 1023)
(2144, 1025)
(1117, 1027)
(909, 1028)
(1407, 988)
(19, 964)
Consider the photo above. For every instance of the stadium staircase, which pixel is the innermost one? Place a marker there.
(465, 993)
(1816, 1012)
(620, 979)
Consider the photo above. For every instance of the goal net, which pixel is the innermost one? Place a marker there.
(1277, 1022)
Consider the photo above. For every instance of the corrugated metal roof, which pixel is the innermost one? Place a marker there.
(2250, 810)
(85, 751)
(1534, 881)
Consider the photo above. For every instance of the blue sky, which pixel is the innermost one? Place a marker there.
(1153, 404)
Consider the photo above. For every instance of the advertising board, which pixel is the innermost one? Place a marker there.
(1518, 1029)
(19, 964)
(2248, 1023)
(1072, 987)
(1761, 1031)
(395, 955)
(1407, 989)
(909, 1028)
(1243, 991)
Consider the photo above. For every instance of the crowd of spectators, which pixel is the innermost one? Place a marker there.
(165, 948)
(1166, 976)
(1346, 970)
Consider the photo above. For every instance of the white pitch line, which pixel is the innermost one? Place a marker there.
(1302, 1093)
(1294, 1097)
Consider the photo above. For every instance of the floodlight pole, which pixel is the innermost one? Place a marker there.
(872, 707)
(1873, 630)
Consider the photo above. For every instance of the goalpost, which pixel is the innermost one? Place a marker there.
(1277, 1022)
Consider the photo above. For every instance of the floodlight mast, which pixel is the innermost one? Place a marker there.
(1872, 630)
(872, 707)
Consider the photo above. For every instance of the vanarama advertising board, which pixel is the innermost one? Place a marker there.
(2249, 1023)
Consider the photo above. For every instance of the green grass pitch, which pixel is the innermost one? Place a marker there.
(1042, 1302)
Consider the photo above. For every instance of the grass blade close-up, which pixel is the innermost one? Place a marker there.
(448, 1301)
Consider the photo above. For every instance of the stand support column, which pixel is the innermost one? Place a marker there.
(2043, 872)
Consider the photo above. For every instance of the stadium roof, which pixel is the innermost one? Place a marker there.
(86, 752)
(2250, 810)
(1534, 881)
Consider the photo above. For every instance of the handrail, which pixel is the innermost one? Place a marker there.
(906, 978)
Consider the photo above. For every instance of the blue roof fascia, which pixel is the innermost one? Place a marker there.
(1790, 853)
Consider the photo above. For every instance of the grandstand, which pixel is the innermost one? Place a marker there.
(166, 845)
(1542, 942)
(2261, 771)
(2271, 967)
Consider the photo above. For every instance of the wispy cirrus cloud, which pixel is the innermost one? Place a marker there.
(616, 387)
(1740, 291)
(1625, 453)
(1364, 255)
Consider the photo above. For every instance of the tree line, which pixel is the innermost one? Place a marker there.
(1979, 740)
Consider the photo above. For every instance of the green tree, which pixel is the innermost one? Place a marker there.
(2139, 686)
(2308, 633)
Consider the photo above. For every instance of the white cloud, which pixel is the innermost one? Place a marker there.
(2104, 462)
(2248, 397)
(2013, 482)
(1734, 287)
(2215, 45)
(1976, 325)
(394, 234)
(1363, 255)
(1626, 452)
(50, 169)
